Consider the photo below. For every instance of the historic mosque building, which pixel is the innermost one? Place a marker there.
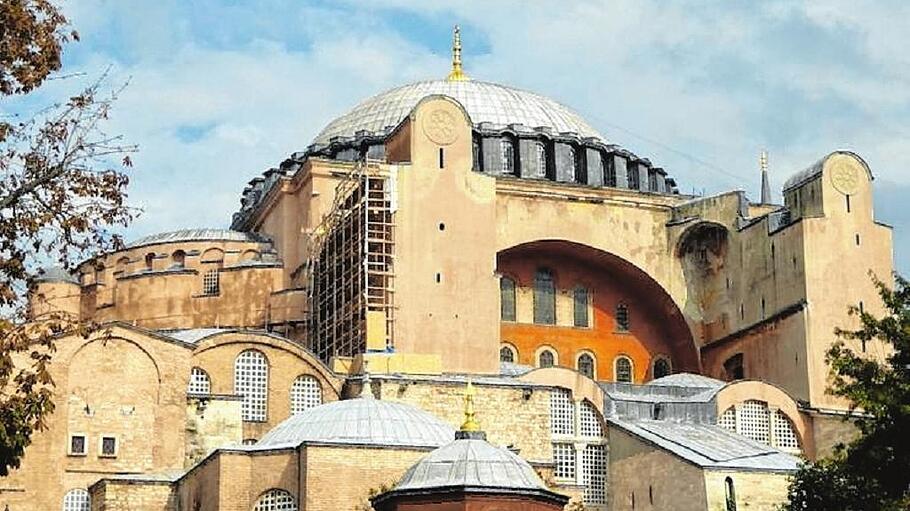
(624, 346)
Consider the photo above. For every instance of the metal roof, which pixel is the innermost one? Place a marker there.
(687, 380)
(804, 176)
(708, 445)
(485, 102)
(194, 335)
(56, 274)
(471, 463)
(185, 235)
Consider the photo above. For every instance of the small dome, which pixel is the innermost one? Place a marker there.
(361, 421)
(487, 102)
(687, 380)
(56, 274)
(471, 463)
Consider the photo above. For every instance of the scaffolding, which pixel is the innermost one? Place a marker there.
(352, 268)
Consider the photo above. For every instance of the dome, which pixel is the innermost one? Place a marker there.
(471, 463)
(56, 274)
(185, 235)
(361, 421)
(485, 102)
(687, 380)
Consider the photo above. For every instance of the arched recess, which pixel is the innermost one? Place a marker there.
(745, 390)
(651, 306)
(702, 250)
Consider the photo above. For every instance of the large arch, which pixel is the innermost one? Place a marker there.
(571, 261)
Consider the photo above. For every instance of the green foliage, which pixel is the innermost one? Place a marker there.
(873, 471)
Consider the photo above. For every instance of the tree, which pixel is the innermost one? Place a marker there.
(872, 472)
(62, 188)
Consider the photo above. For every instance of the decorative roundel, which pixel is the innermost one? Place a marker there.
(845, 176)
(440, 127)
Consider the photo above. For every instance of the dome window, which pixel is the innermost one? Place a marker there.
(632, 176)
(609, 170)
(541, 170)
(507, 153)
(572, 170)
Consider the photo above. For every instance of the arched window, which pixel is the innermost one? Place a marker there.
(562, 413)
(546, 359)
(609, 170)
(77, 500)
(730, 492)
(586, 365)
(306, 392)
(507, 153)
(251, 380)
(661, 368)
(589, 421)
(544, 297)
(276, 500)
(199, 382)
(622, 318)
(785, 437)
(579, 455)
(632, 176)
(580, 295)
(733, 368)
(507, 354)
(178, 259)
(541, 170)
(120, 266)
(572, 171)
(753, 419)
(507, 299)
(623, 370)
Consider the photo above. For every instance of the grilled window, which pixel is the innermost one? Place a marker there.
(546, 359)
(506, 354)
(753, 419)
(108, 446)
(586, 365)
(306, 392)
(77, 445)
(562, 413)
(594, 474)
(276, 500)
(624, 370)
(507, 299)
(541, 170)
(199, 382)
(572, 171)
(251, 380)
(589, 422)
(77, 500)
(211, 283)
(622, 318)
(609, 170)
(632, 176)
(564, 461)
(580, 295)
(544, 297)
(507, 153)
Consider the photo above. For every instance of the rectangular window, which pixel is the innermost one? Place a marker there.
(594, 474)
(581, 307)
(211, 283)
(108, 447)
(507, 299)
(652, 180)
(564, 461)
(77, 445)
(544, 298)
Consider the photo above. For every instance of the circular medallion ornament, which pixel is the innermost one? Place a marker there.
(844, 176)
(440, 127)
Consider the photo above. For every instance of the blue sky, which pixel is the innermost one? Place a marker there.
(220, 91)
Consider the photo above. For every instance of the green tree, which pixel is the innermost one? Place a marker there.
(62, 187)
(872, 472)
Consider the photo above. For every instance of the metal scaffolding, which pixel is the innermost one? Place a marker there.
(352, 268)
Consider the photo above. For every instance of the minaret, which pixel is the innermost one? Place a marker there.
(457, 74)
(765, 187)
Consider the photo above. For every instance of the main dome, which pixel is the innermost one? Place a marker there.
(485, 102)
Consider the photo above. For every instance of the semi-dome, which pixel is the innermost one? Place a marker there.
(485, 102)
(361, 421)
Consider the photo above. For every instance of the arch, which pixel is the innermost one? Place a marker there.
(586, 364)
(251, 380)
(178, 259)
(508, 353)
(740, 391)
(580, 385)
(662, 366)
(250, 255)
(212, 255)
(77, 499)
(623, 369)
(275, 499)
(546, 355)
(306, 393)
(200, 383)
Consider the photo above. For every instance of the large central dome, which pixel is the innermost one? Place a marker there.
(485, 102)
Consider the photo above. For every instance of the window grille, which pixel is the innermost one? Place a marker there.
(573, 164)
(588, 421)
(727, 420)
(251, 380)
(541, 161)
(564, 461)
(586, 365)
(199, 382)
(753, 421)
(594, 474)
(211, 283)
(506, 355)
(544, 297)
(581, 306)
(624, 370)
(546, 359)
(507, 151)
(784, 434)
(609, 170)
(276, 500)
(77, 500)
(661, 368)
(562, 413)
(632, 176)
(306, 392)
(507, 299)
(622, 318)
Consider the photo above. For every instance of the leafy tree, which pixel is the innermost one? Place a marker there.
(62, 187)
(872, 472)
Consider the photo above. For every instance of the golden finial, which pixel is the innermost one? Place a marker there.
(457, 74)
(763, 161)
(470, 423)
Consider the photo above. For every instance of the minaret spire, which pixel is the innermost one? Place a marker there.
(765, 187)
(457, 74)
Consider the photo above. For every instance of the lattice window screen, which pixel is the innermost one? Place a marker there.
(564, 461)
(594, 474)
(305, 394)
(728, 420)
(199, 382)
(784, 434)
(211, 283)
(251, 380)
(562, 413)
(77, 500)
(590, 425)
(754, 422)
(276, 500)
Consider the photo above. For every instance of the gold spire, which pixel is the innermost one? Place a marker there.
(763, 161)
(470, 423)
(457, 74)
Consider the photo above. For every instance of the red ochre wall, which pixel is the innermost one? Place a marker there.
(645, 340)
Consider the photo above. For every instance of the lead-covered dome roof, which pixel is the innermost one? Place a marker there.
(361, 421)
(485, 102)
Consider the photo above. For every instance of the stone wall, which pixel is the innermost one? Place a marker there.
(755, 491)
(211, 422)
(116, 495)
